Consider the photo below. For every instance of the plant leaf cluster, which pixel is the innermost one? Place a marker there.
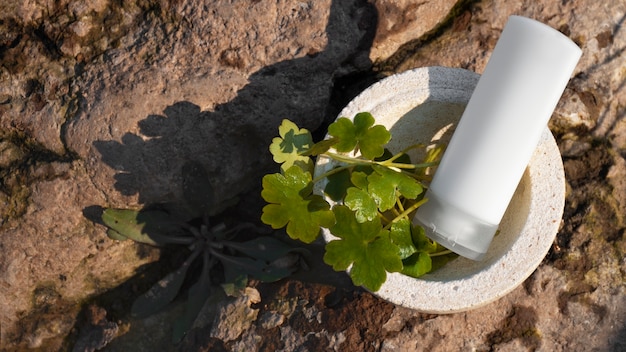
(218, 255)
(376, 195)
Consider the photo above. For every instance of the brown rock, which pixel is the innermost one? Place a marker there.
(105, 102)
(590, 245)
(215, 97)
(402, 21)
(109, 101)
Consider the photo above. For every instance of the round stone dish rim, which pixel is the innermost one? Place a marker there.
(464, 284)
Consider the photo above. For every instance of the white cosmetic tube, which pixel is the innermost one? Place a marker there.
(497, 135)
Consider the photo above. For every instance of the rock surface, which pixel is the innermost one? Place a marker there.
(102, 103)
(401, 21)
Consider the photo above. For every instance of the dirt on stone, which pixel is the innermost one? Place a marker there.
(355, 314)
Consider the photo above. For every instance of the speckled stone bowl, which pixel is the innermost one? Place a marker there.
(423, 106)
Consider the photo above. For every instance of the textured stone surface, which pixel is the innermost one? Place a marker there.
(205, 89)
(102, 102)
(586, 264)
(401, 21)
(527, 319)
(53, 257)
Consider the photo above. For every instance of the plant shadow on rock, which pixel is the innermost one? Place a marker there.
(176, 158)
(231, 141)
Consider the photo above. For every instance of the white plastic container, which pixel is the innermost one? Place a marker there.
(497, 135)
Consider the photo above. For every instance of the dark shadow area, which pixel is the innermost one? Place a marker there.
(230, 146)
(117, 302)
(232, 141)
(618, 343)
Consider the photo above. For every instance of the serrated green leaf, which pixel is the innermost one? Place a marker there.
(289, 147)
(401, 237)
(337, 185)
(417, 264)
(359, 200)
(385, 184)
(359, 179)
(360, 135)
(362, 204)
(365, 246)
(292, 204)
(152, 227)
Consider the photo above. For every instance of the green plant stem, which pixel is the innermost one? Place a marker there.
(214, 244)
(347, 159)
(404, 151)
(196, 250)
(417, 176)
(386, 163)
(383, 218)
(330, 173)
(438, 254)
(182, 240)
(405, 213)
(400, 205)
(221, 256)
(194, 231)
(405, 166)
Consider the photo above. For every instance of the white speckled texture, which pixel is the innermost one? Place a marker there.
(423, 105)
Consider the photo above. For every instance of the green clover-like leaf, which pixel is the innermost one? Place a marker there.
(360, 135)
(365, 246)
(384, 184)
(289, 147)
(358, 199)
(362, 204)
(292, 204)
(359, 179)
(401, 236)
